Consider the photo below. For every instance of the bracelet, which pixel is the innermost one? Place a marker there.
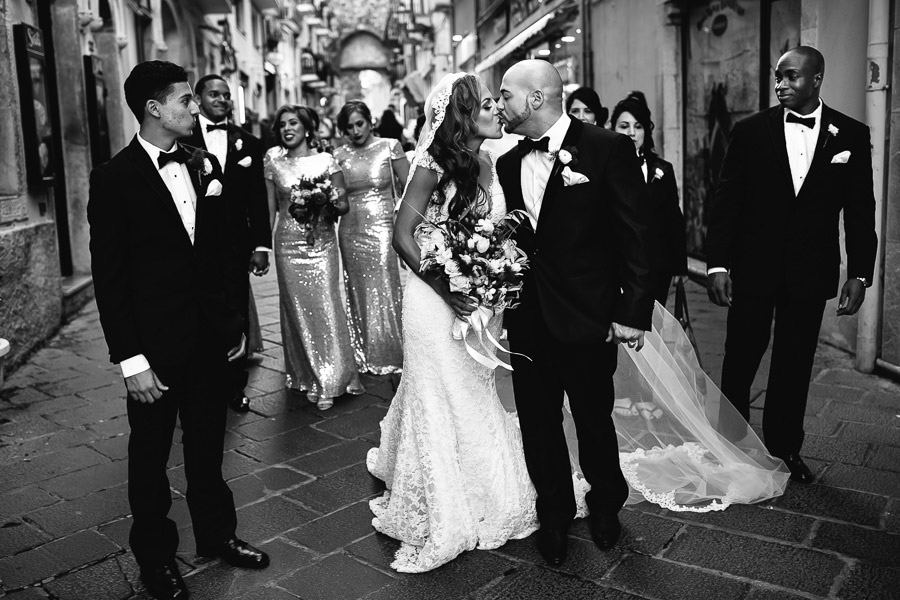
(866, 283)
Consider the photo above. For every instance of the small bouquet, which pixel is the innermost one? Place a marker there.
(480, 259)
(312, 203)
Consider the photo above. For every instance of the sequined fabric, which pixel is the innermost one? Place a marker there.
(371, 271)
(318, 356)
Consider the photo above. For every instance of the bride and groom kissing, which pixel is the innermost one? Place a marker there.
(462, 473)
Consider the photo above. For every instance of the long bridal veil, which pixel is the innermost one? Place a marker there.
(682, 445)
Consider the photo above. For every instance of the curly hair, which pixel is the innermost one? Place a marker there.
(449, 150)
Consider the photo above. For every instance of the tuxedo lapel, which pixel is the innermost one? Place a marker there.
(779, 145)
(150, 174)
(515, 199)
(555, 181)
(822, 142)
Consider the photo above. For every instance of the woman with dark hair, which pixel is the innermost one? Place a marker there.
(318, 355)
(372, 167)
(668, 256)
(390, 127)
(450, 455)
(584, 104)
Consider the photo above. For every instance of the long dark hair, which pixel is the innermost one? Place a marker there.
(352, 106)
(307, 117)
(449, 150)
(636, 104)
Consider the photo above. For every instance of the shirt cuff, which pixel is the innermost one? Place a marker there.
(134, 365)
(262, 249)
(712, 270)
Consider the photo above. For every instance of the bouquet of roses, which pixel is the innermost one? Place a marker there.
(311, 203)
(480, 259)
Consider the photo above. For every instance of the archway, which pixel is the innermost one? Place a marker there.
(364, 65)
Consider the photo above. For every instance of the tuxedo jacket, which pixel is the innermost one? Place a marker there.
(764, 233)
(667, 239)
(588, 256)
(156, 292)
(244, 190)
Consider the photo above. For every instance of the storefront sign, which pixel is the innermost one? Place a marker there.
(36, 122)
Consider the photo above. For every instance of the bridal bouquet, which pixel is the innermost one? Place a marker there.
(480, 259)
(311, 203)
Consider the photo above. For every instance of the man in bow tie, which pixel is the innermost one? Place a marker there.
(588, 288)
(773, 243)
(245, 203)
(171, 322)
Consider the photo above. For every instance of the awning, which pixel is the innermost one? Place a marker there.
(513, 44)
(210, 7)
(415, 87)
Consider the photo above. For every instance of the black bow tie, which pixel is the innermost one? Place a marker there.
(526, 145)
(213, 126)
(806, 121)
(178, 155)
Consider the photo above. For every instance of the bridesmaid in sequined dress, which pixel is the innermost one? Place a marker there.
(372, 167)
(318, 356)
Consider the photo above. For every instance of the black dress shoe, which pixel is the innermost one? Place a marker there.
(240, 403)
(164, 582)
(238, 553)
(799, 471)
(551, 543)
(605, 530)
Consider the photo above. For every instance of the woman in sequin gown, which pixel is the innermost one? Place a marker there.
(371, 270)
(318, 355)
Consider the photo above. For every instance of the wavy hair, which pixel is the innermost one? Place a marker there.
(307, 117)
(449, 149)
(636, 104)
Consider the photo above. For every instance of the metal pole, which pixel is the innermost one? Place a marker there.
(878, 70)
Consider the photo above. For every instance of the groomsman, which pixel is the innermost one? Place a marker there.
(170, 321)
(244, 198)
(773, 243)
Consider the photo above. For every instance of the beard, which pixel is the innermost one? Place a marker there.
(513, 122)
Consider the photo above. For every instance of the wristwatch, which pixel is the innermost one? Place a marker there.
(865, 282)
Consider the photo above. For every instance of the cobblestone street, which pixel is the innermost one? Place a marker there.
(301, 487)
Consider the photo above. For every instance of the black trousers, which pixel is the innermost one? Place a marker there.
(796, 336)
(237, 369)
(197, 397)
(585, 373)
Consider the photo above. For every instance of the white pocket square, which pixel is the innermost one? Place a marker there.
(214, 188)
(571, 177)
(245, 162)
(840, 158)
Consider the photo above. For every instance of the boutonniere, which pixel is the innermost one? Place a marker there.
(199, 162)
(239, 144)
(657, 174)
(833, 130)
(567, 157)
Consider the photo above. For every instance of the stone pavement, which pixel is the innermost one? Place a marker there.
(301, 486)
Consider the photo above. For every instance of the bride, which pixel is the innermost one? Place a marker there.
(451, 455)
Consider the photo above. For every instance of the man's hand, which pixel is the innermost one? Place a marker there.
(239, 350)
(259, 263)
(145, 386)
(623, 334)
(718, 287)
(852, 295)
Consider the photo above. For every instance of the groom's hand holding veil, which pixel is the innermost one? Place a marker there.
(623, 334)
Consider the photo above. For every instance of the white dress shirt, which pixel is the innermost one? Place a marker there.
(216, 141)
(178, 182)
(536, 168)
(800, 143)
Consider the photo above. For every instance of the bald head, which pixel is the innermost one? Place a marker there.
(811, 56)
(531, 97)
(798, 79)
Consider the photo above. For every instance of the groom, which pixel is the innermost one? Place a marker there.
(172, 325)
(589, 286)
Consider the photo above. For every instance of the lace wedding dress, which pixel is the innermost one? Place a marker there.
(450, 454)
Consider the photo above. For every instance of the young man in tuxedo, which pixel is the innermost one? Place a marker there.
(170, 321)
(773, 243)
(588, 286)
(244, 197)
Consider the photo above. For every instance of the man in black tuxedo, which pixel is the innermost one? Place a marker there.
(244, 197)
(589, 286)
(170, 321)
(773, 244)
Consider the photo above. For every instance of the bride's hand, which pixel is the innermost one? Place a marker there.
(461, 304)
